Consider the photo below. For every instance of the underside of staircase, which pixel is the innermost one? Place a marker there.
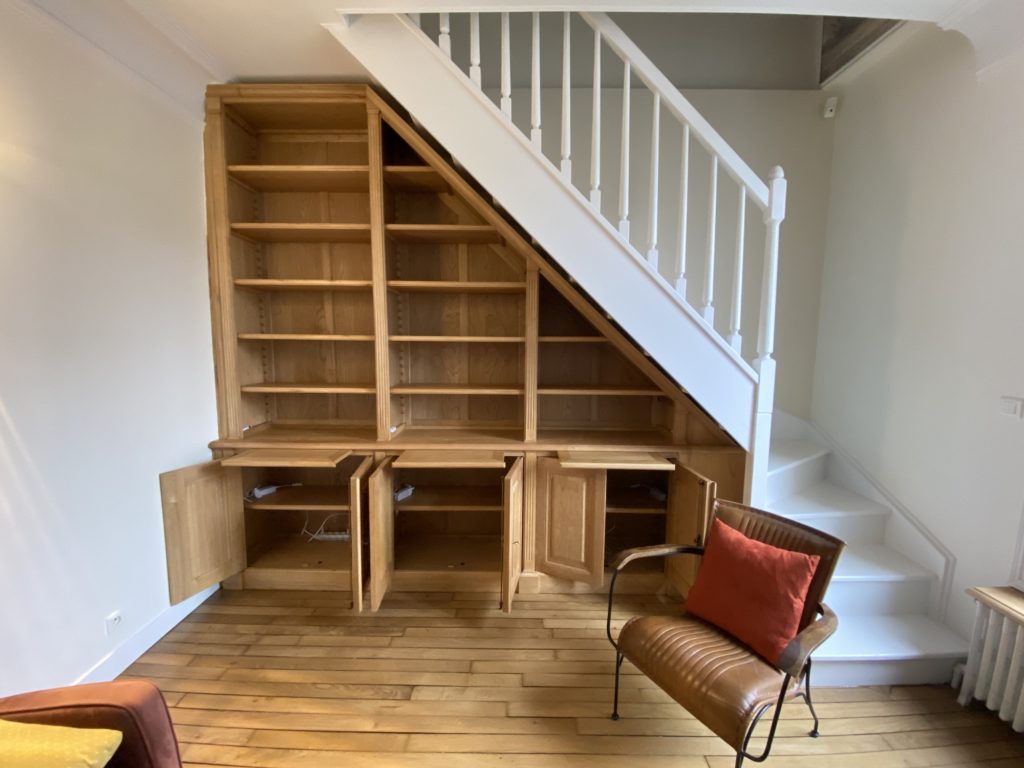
(888, 603)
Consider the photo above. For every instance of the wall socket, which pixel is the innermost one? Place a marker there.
(112, 623)
(1012, 406)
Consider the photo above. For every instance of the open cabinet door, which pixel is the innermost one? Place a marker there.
(204, 527)
(357, 492)
(512, 534)
(382, 531)
(570, 522)
(690, 497)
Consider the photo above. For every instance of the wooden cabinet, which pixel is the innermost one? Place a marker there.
(368, 301)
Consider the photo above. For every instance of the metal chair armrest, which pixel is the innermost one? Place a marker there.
(627, 556)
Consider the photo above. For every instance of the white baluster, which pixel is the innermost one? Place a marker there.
(735, 338)
(708, 300)
(684, 209)
(773, 216)
(652, 197)
(506, 69)
(474, 48)
(414, 18)
(535, 84)
(624, 157)
(566, 165)
(444, 39)
(595, 128)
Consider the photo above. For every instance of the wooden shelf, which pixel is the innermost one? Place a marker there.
(297, 563)
(311, 498)
(456, 286)
(461, 339)
(414, 178)
(443, 233)
(303, 337)
(448, 554)
(633, 501)
(281, 388)
(455, 389)
(453, 498)
(573, 340)
(303, 233)
(609, 391)
(303, 178)
(275, 284)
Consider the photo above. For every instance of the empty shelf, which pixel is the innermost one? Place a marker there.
(414, 178)
(455, 389)
(466, 339)
(303, 178)
(303, 337)
(617, 391)
(457, 286)
(282, 388)
(303, 233)
(287, 284)
(455, 498)
(443, 233)
(633, 501)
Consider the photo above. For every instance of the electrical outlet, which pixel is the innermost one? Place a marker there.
(1012, 406)
(112, 623)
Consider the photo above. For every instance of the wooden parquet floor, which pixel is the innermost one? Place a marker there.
(282, 679)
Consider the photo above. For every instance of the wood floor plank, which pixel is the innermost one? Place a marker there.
(297, 680)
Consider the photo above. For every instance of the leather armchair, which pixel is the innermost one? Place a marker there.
(134, 707)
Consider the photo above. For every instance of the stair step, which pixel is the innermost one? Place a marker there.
(853, 518)
(873, 579)
(888, 650)
(794, 466)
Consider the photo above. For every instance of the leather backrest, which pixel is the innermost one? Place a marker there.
(786, 534)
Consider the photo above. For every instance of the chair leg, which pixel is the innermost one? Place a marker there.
(807, 697)
(739, 759)
(615, 702)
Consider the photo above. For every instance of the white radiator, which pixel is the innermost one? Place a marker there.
(995, 662)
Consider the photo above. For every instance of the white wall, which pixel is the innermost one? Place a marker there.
(922, 314)
(106, 376)
(767, 128)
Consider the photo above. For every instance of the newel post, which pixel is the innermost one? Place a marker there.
(764, 364)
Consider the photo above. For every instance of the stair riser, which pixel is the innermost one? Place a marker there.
(844, 674)
(853, 529)
(797, 477)
(860, 598)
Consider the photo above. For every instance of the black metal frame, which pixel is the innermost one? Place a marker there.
(741, 754)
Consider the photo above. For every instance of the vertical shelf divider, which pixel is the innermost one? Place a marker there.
(378, 256)
(532, 312)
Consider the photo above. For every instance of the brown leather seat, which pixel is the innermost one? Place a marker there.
(712, 675)
(702, 669)
(134, 707)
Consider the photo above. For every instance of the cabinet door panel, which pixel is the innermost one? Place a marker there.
(570, 522)
(204, 527)
(357, 492)
(690, 496)
(512, 534)
(382, 532)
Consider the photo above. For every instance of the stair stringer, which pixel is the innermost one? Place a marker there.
(443, 101)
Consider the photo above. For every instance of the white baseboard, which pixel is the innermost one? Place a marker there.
(131, 648)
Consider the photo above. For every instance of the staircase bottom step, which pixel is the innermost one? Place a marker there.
(888, 650)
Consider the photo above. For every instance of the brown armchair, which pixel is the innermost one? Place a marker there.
(715, 677)
(136, 708)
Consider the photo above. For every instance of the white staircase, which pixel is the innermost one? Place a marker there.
(661, 294)
(883, 598)
(660, 290)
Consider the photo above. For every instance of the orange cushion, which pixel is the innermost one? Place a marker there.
(753, 591)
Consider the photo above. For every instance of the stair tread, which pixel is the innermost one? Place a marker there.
(879, 638)
(827, 499)
(785, 453)
(877, 562)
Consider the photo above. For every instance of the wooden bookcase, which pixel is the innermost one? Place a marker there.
(369, 303)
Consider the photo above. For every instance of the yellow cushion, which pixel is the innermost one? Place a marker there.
(28, 745)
